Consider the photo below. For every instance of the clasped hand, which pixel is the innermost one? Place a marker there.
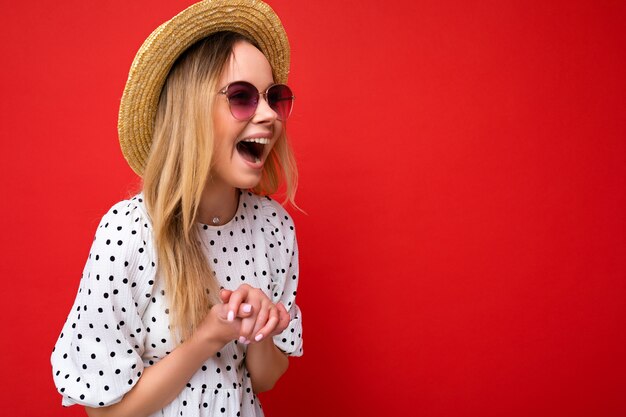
(248, 315)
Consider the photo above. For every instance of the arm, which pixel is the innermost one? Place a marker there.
(266, 364)
(264, 361)
(162, 382)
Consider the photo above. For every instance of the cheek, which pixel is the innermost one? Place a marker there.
(278, 130)
(226, 130)
(220, 122)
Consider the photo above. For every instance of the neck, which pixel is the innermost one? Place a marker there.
(219, 201)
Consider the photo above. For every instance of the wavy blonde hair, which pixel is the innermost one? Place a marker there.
(177, 171)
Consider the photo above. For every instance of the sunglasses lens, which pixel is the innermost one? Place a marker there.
(280, 99)
(243, 98)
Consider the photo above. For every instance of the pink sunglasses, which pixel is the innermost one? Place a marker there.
(243, 99)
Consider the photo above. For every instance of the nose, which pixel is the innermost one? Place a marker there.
(264, 113)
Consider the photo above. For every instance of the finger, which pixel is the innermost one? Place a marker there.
(269, 327)
(225, 329)
(282, 309)
(285, 318)
(236, 298)
(245, 310)
(225, 295)
(222, 314)
(256, 298)
(245, 331)
(221, 311)
(262, 317)
(256, 320)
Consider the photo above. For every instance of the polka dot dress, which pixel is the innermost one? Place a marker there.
(119, 322)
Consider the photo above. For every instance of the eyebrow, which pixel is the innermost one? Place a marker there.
(239, 80)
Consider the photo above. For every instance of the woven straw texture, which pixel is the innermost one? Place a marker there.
(251, 18)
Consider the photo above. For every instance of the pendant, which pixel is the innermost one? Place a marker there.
(216, 220)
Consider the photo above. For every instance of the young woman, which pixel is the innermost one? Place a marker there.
(186, 306)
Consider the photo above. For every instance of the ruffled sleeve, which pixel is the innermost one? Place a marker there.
(97, 357)
(282, 251)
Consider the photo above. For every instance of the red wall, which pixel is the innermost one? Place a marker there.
(463, 167)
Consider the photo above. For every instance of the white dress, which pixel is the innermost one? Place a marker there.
(118, 324)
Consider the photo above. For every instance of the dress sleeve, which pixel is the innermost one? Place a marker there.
(97, 357)
(282, 251)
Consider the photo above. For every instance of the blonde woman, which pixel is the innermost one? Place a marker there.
(186, 306)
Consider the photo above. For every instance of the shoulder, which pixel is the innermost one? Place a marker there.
(126, 219)
(124, 238)
(274, 214)
(129, 211)
(275, 224)
(265, 210)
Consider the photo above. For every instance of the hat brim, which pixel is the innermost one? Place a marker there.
(253, 19)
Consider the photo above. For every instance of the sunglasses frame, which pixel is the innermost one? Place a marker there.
(224, 91)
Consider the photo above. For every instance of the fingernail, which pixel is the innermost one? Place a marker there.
(247, 342)
(242, 339)
(247, 308)
(258, 337)
(231, 315)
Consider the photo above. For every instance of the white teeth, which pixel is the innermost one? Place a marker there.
(263, 141)
(257, 160)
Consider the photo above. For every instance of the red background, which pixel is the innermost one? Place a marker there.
(463, 167)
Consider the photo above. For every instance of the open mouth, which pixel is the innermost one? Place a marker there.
(252, 149)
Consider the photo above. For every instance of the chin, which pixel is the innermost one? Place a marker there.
(247, 182)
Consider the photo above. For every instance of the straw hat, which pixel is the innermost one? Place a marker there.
(251, 18)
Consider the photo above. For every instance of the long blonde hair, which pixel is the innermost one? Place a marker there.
(176, 174)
